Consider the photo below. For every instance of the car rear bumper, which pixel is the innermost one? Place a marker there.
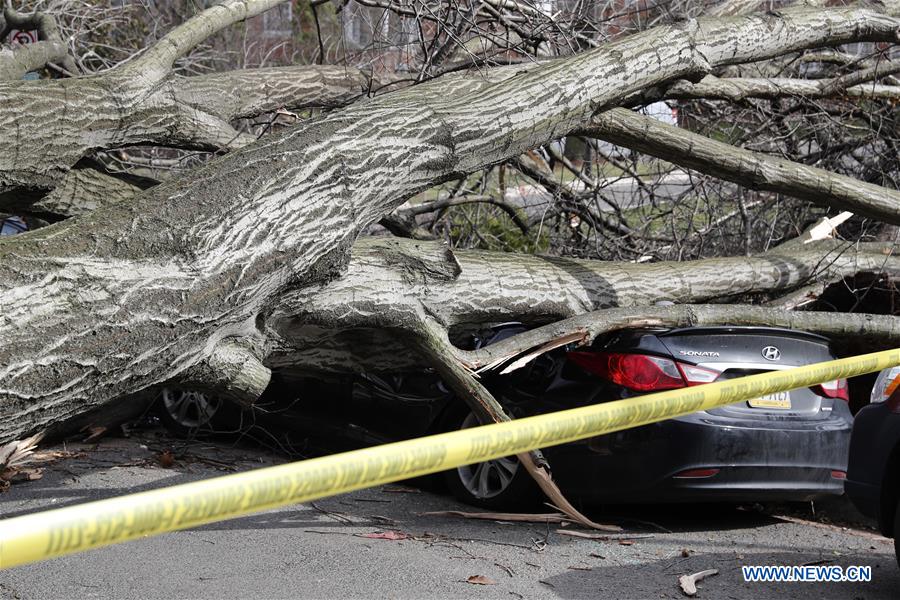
(762, 460)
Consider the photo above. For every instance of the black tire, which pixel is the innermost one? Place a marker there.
(188, 413)
(517, 493)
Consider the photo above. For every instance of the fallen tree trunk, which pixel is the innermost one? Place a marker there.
(857, 332)
(391, 286)
(137, 293)
(442, 357)
(121, 109)
(735, 89)
(142, 102)
(50, 47)
(750, 169)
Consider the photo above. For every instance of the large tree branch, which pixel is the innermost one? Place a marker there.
(735, 89)
(122, 107)
(182, 112)
(136, 293)
(251, 92)
(441, 356)
(751, 169)
(156, 63)
(17, 62)
(80, 191)
(880, 69)
(857, 332)
(396, 284)
(50, 47)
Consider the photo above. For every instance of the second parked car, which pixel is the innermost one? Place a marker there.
(873, 478)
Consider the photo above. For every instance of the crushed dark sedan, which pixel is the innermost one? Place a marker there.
(786, 446)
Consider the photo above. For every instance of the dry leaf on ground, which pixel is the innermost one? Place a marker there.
(166, 459)
(94, 432)
(386, 535)
(18, 452)
(688, 583)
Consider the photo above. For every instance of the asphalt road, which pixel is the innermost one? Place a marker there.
(317, 551)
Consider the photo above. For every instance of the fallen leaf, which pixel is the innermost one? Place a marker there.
(688, 583)
(54, 455)
(480, 580)
(95, 432)
(386, 535)
(21, 474)
(32, 474)
(18, 452)
(166, 459)
(816, 562)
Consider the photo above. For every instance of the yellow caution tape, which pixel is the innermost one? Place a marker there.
(78, 528)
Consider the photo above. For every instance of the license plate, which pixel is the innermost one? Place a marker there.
(777, 400)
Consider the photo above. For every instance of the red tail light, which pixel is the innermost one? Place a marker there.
(635, 371)
(696, 474)
(833, 389)
(894, 401)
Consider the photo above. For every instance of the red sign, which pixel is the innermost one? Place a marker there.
(23, 37)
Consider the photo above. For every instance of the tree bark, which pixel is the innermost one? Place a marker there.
(137, 293)
(750, 169)
(735, 89)
(79, 192)
(54, 123)
(392, 286)
(50, 47)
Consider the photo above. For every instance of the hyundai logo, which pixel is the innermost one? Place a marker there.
(771, 353)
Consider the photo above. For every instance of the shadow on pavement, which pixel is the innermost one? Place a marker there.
(659, 579)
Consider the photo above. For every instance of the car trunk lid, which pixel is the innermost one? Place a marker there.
(740, 351)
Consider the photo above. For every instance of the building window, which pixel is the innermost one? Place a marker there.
(277, 22)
